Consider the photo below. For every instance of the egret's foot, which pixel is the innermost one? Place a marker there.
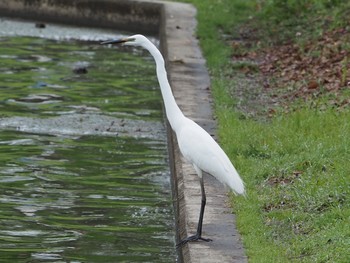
(191, 239)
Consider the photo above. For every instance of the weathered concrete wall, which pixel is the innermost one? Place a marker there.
(116, 14)
(175, 25)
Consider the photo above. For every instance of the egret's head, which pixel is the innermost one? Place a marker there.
(135, 40)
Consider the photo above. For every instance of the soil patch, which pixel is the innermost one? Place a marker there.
(311, 71)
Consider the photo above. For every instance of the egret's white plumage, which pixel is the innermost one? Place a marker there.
(196, 145)
(200, 149)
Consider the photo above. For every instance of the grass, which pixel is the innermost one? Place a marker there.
(295, 164)
(296, 171)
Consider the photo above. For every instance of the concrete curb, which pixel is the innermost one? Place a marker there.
(175, 23)
(190, 82)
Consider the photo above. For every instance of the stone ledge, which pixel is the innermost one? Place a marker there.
(116, 14)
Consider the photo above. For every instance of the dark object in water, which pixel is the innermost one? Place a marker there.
(80, 70)
(40, 25)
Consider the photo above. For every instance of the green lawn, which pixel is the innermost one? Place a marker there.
(295, 163)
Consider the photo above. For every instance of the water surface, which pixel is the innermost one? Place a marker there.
(84, 172)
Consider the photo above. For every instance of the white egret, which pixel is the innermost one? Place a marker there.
(196, 145)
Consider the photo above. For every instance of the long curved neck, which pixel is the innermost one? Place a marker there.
(173, 112)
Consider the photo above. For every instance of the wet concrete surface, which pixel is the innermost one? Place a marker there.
(191, 85)
(15, 27)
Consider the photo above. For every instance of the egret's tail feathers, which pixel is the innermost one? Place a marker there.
(236, 184)
(237, 187)
(227, 174)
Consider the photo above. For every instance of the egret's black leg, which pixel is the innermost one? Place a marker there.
(198, 235)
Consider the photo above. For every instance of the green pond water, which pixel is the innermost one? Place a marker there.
(84, 172)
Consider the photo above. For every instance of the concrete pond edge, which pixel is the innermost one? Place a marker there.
(175, 25)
